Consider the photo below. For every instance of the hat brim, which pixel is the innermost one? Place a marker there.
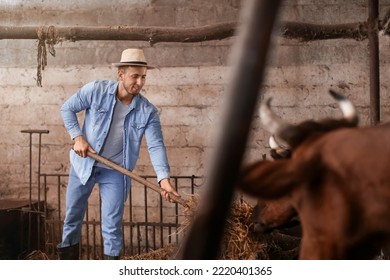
(132, 64)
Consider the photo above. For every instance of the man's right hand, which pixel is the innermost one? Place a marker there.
(81, 146)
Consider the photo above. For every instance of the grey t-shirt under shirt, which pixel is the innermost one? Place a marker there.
(113, 146)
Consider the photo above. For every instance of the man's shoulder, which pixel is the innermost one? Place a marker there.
(145, 103)
(144, 100)
(104, 84)
(99, 90)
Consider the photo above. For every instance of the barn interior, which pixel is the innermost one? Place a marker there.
(50, 48)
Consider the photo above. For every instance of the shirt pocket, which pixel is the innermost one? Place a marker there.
(136, 131)
(98, 115)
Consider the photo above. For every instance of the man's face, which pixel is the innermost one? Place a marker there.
(133, 78)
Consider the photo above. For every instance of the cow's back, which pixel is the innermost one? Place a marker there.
(354, 182)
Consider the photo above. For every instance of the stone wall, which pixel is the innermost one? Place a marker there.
(188, 86)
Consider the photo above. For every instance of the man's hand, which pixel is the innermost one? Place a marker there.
(166, 189)
(81, 146)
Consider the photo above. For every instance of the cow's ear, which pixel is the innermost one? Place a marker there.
(267, 179)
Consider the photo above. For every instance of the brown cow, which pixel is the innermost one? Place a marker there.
(338, 182)
(280, 213)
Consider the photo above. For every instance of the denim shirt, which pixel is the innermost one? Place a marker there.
(98, 100)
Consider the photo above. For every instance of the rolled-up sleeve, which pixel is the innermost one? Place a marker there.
(78, 102)
(156, 147)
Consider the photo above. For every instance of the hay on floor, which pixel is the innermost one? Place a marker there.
(237, 242)
(36, 255)
(164, 253)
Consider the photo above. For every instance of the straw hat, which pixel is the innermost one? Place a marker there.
(133, 57)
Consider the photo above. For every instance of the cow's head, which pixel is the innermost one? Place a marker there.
(279, 212)
(274, 214)
(285, 137)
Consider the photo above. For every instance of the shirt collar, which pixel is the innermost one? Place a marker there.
(135, 101)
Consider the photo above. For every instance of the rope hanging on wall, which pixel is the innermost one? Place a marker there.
(49, 38)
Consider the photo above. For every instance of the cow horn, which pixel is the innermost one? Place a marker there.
(346, 106)
(272, 123)
(274, 144)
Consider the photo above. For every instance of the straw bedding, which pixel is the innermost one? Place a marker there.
(239, 242)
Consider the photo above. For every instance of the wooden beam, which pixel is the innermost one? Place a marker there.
(131, 33)
(154, 34)
(312, 32)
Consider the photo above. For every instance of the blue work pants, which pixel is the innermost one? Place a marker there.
(112, 192)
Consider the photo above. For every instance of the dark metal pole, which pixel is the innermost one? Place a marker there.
(31, 132)
(373, 45)
(203, 238)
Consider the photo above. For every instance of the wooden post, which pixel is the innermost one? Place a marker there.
(373, 44)
(203, 239)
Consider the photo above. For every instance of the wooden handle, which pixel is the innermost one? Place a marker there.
(137, 178)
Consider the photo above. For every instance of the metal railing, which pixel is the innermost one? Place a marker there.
(149, 223)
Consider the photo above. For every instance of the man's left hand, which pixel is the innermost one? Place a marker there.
(166, 189)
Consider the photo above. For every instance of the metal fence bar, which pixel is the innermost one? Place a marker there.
(94, 240)
(131, 228)
(87, 232)
(146, 217)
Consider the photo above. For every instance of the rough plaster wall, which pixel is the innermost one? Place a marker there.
(182, 89)
(187, 88)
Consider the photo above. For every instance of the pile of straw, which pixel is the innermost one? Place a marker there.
(164, 253)
(237, 242)
(36, 255)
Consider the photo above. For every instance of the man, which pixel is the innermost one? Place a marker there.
(116, 118)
